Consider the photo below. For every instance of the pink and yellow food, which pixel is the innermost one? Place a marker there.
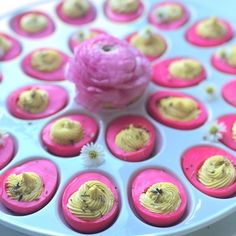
(148, 42)
(7, 149)
(76, 12)
(37, 101)
(9, 47)
(131, 138)
(66, 135)
(178, 72)
(45, 64)
(229, 137)
(228, 92)
(90, 202)
(209, 32)
(108, 73)
(211, 170)
(82, 35)
(34, 24)
(158, 198)
(123, 10)
(177, 110)
(28, 187)
(225, 60)
(168, 15)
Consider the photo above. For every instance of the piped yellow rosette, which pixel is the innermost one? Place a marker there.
(124, 6)
(26, 187)
(185, 69)
(149, 43)
(75, 8)
(66, 131)
(169, 13)
(132, 138)
(211, 28)
(46, 60)
(33, 23)
(33, 101)
(92, 201)
(178, 108)
(217, 172)
(5, 45)
(162, 198)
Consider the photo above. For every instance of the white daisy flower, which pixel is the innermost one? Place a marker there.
(215, 131)
(211, 92)
(3, 135)
(92, 155)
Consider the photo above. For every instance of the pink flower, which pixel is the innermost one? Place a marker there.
(108, 72)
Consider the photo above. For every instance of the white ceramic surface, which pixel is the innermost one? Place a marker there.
(202, 209)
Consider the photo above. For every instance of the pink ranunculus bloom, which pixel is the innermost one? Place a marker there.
(108, 72)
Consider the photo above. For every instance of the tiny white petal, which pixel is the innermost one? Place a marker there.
(222, 127)
(212, 138)
(211, 92)
(219, 136)
(219, 128)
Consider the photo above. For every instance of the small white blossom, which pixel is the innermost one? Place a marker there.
(211, 92)
(215, 131)
(3, 135)
(92, 155)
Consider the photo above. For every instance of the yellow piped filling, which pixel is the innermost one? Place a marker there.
(46, 60)
(162, 198)
(66, 131)
(148, 43)
(178, 108)
(185, 69)
(33, 101)
(217, 172)
(25, 187)
(75, 8)
(5, 45)
(92, 201)
(132, 138)
(124, 6)
(229, 54)
(169, 13)
(33, 23)
(211, 28)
